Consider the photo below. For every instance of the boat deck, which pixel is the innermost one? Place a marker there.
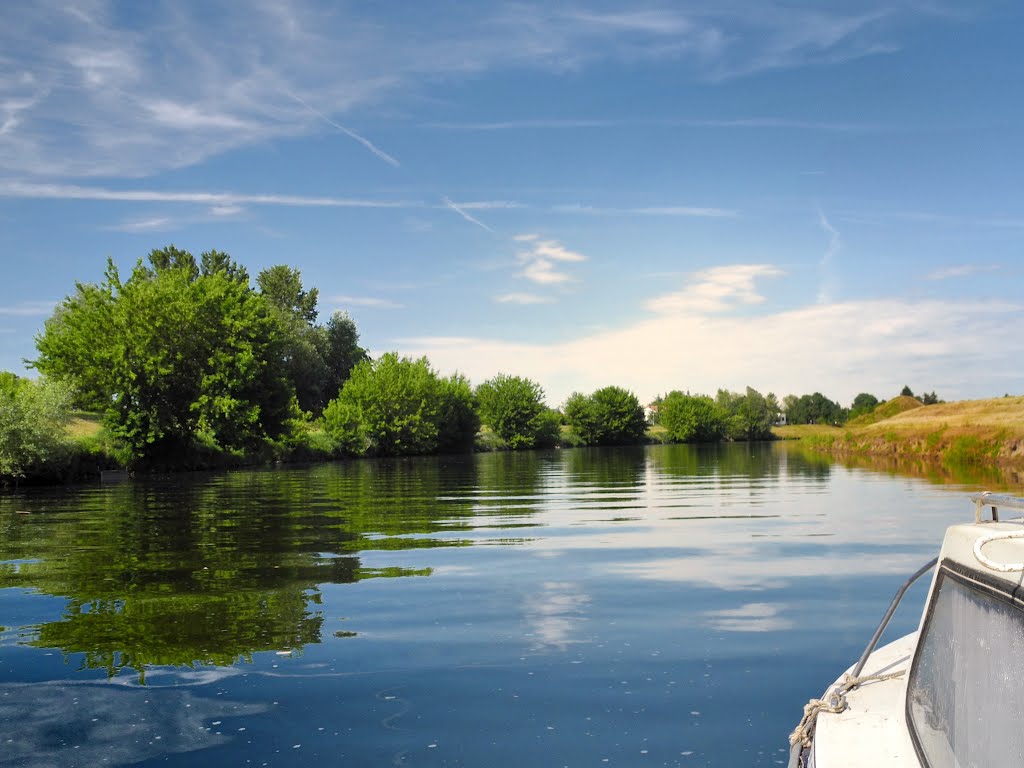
(872, 730)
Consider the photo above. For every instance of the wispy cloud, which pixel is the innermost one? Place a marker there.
(715, 290)
(523, 298)
(28, 309)
(570, 123)
(370, 302)
(151, 224)
(661, 210)
(223, 200)
(87, 90)
(462, 212)
(826, 288)
(377, 151)
(960, 270)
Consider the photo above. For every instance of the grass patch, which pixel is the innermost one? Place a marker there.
(887, 410)
(968, 450)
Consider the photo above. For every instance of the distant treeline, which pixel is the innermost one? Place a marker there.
(191, 364)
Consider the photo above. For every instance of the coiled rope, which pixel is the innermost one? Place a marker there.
(834, 701)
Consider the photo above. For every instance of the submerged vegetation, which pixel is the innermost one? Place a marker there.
(188, 363)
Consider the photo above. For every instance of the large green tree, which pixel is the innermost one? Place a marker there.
(172, 355)
(608, 416)
(513, 407)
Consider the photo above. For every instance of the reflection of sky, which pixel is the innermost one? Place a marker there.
(752, 617)
(553, 615)
(105, 724)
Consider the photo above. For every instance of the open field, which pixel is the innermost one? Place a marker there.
(969, 432)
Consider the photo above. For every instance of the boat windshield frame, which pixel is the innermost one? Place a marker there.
(976, 581)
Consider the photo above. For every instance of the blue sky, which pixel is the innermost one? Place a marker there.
(792, 196)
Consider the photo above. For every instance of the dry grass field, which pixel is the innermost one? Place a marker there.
(969, 432)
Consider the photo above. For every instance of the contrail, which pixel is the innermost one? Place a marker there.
(348, 132)
(465, 215)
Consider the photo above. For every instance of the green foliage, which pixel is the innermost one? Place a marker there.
(968, 450)
(513, 407)
(33, 415)
(693, 418)
(396, 406)
(282, 287)
(458, 420)
(814, 409)
(930, 398)
(547, 428)
(862, 404)
(172, 356)
(906, 391)
(609, 416)
(750, 415)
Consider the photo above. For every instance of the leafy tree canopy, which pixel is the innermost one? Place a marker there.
(814, 409)
(693, 418)
(514, 408)
(282, 287)
(171, 355)
(863, 403)
(397, 406)
(33, 415)
(609, 416)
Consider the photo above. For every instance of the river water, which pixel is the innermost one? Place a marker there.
(649, 606)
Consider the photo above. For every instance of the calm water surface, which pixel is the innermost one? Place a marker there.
(667, 605)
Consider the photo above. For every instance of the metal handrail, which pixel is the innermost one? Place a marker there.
(888, 614)
(994, 500)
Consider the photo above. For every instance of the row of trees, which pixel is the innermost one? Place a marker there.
(191, 355)
(730, 415)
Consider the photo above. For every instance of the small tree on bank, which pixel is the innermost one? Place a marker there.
(514, 408)
(609, 416)
(397, 406)
(33, 417)
(693, 418)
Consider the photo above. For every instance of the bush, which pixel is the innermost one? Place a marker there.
(609, 416)
(396, 406)
(514, 408)
(692, 418)
(33, 417)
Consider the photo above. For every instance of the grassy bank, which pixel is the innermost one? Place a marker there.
(969, 432)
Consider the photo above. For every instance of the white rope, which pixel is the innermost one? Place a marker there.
(834, 701)
(989, 562)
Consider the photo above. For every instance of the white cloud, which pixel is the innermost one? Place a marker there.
(150, 224)
(226, 210)
(661, 210)
(29, 309)
(715, 290)
(691, 343)
(370, 302)
(539, 260)
(225, 200)
(960, 270)
(523, 298)
(88, 90)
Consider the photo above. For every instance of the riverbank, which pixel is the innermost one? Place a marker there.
(965, 433)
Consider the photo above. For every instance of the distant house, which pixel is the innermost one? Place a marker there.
(651, 412)
(780, 420)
